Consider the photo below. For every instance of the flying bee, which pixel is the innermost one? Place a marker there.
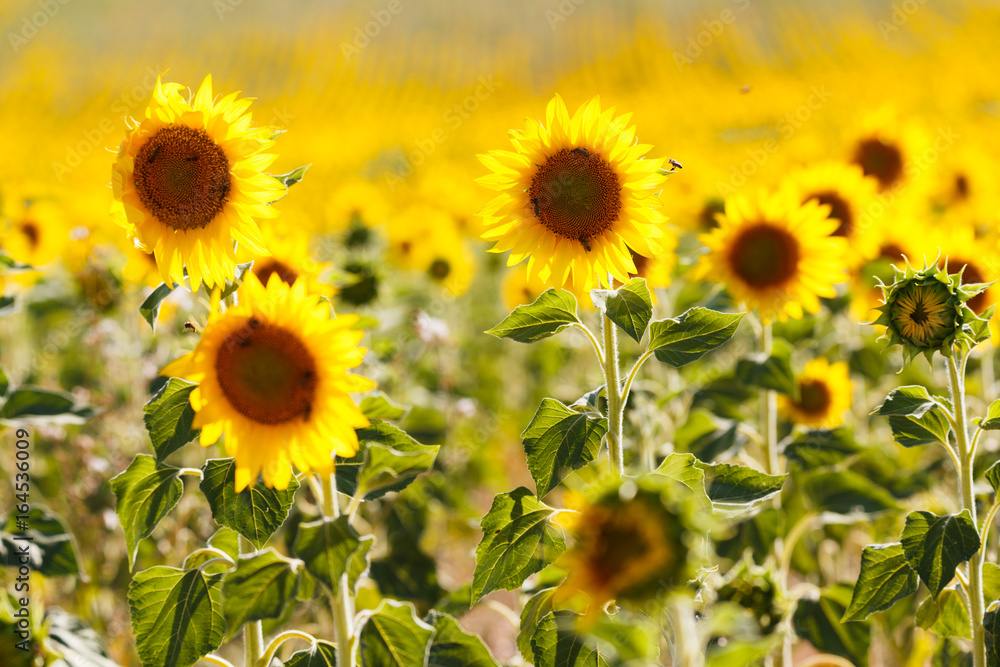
(675, 164)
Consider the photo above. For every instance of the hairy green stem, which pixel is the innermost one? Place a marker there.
(687, 646)
(977, 607)
(341, 603)
(616, 407)
(253, 631)
(276, 643)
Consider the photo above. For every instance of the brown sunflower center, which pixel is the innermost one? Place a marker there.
(271, 266)
(971, 275)
(961, 187)
(439, 269)
(182, 177)
(764, 256)
(706, 219)
(31, 232)
(814, 397)
(576, 194)
(267, 373)
(882, 161)
(840, 210)
(617, 543)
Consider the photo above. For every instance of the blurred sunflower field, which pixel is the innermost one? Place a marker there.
(398, 333)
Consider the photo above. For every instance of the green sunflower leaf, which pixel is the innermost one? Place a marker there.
(519, 539)
(379, 407)
(559, 440)
(993, 476)
(168, 417)
(886, 577)
(556, 643)
(331, 549)
(7, 305)
(34, 405)
(75, 641)
(262, 586)
(537, 608)
(991, 423)
(51, 554)
(387, 460)
(177, 616)
(630, 307)
(708, 437)
(4, 383)
(936, 545)
(909, 401)
(991, 623)
(150, 308)
(729, 483)
(846, 492)
(929, 429)
(818, 622)
(691, 335)
(294, 176)
(146, 493)
(232, 285)
(394, 637)
(256, 512)
(945, 615)
(769, 371)
(10, 265)
(549, 314)
(320, 654)
(454, 647)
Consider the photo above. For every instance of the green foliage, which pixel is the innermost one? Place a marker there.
(387, 460)
(559, 440)
(708, 437)
(255, 512)
(177, 615)
(394, 637)
(34, 405)
(535, 609)
(379, 407)
(769, 371)
(74, 641)
(819, 622)
(929, 429)
(332, 548)
(820, 448)
(146, 493)
(946, 615)
(320, 654)
(909, 401)
(294, 176)
(845, 491)
(549, 314)
(992, 420)
(739, 484)
(262, 586)
(556, 643)
(936, 545)
(885, 578)
(149, 309)
(168, 417)
(51, 552)
(454, 647)
(519, 539)
(691, 335)
(630, 307)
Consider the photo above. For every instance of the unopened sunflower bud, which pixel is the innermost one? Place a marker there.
(926, 311)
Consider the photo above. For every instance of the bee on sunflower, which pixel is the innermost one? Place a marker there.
(189, 180)
(274, 378)
(776, 255)
(577, 199)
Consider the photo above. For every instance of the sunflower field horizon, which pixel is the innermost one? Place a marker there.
(399, 334)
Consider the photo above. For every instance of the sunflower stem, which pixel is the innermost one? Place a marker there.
(956, 376)
(687, 646)
(341, 602)
(616, 407)
(253, 631)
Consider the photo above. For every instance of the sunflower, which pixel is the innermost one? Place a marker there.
(776, 255)
(36, 231)
(577, 196)
(824, 394)
(954, 237)
(894, 241)
(288, 258)
(274, 378)
(189, 181)
(518, 288)
(427, 239)
(848, 193)
(624, 550)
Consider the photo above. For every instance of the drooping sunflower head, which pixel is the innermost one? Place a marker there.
(274, 379)
(627, 548)
(824, 394)
(189, 181)
(775, 254)
(927, 310)
(576, 197)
